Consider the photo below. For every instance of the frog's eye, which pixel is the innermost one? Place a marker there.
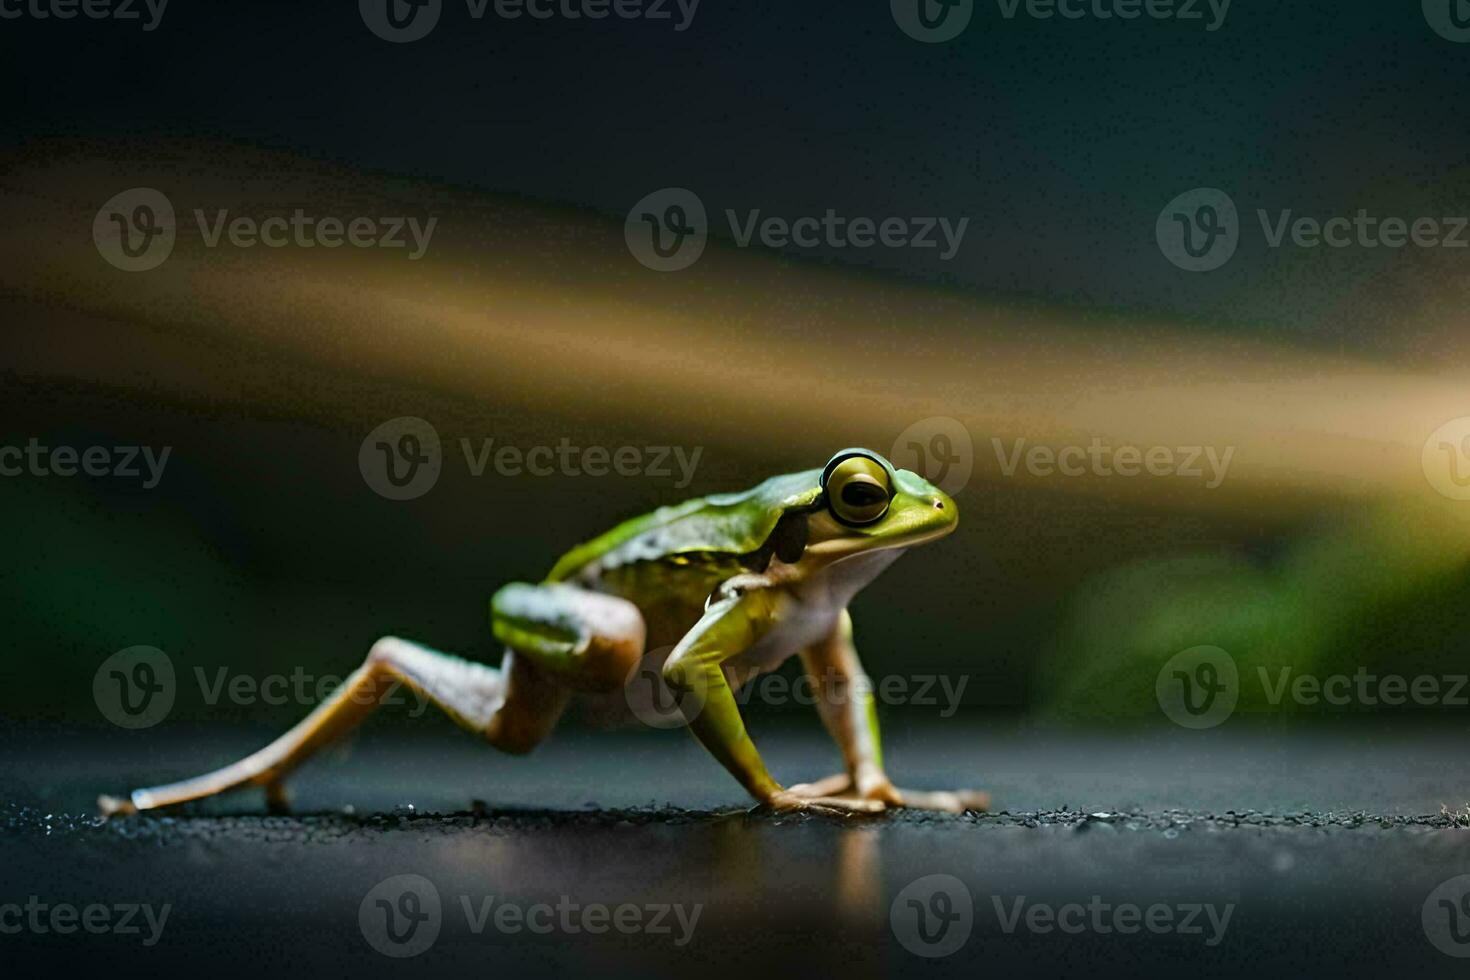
(857, 490)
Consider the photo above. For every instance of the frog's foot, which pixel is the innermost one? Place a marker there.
(834, 785)
(787, 801)
(877, 788)
(948, 801)
(115, 806)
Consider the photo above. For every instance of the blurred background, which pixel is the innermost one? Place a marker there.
(1327, 381)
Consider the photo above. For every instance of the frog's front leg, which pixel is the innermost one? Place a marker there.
(845, 701)
(733, 623)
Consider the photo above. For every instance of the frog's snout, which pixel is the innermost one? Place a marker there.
(946, 512)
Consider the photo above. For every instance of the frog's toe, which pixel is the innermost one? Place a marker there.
(957, 801)
(830, 786)
(788, 801)
(115, 806)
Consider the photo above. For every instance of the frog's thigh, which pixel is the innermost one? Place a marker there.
(586, 640)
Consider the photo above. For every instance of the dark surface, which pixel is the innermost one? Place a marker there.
(1328, 844)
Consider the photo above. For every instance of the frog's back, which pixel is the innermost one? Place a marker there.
(721, 526)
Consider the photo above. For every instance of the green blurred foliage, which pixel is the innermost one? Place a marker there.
(1386, 592)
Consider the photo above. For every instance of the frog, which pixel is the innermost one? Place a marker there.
(708, 594)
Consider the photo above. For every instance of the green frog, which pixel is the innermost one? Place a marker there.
(728, 586)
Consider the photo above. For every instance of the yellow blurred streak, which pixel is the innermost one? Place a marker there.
(545, 309)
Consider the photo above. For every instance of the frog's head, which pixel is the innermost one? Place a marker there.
(868, 505)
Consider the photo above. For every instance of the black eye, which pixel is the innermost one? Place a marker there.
(858, 491)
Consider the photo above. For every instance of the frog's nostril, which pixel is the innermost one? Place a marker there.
(939, 505)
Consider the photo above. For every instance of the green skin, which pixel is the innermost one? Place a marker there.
(734, 583)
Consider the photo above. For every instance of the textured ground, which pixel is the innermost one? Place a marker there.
(1324, 848)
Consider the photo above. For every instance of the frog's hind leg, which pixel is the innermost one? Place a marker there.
(585, 640)
(514, 707)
